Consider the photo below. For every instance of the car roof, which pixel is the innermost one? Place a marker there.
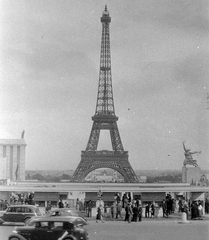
(54, 219)
(29, 206)
(65, 209)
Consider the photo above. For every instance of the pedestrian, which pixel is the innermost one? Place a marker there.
(105, 210)
(207, 206)
(48, 207)
(60, 203)
(99, 214)
(139, 208)
(164, 207)
(126, 213)
(125, 200)
(118, 197)
(113, 211)
(152, 209)
(130, 212)
(135, 213)
(1, 205)
(180, 205)
(195, 209)
(200, 210)
(185, 208)
(118, 210)
(90, 206)
(77, 204)
(5, 205)
(147, 209)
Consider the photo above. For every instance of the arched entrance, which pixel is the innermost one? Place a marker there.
(104, 175)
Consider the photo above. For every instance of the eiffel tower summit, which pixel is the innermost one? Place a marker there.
(105, 119)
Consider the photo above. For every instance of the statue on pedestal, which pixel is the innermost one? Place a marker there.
(188, 156)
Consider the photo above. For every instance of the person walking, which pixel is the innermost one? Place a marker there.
(60, 203)
(118, 210)
(185, 208)
(152, 209)
(200, 210)
(135, 213)
(99, 214)
(130, 212)
(164, 207)
(147, 208)
(207, 206)
(126, 214)
(180, 205)
(113, 211)
(89, 208)
(48, 207)
(139, 208)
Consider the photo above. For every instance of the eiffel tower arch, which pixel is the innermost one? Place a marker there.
(105, 119)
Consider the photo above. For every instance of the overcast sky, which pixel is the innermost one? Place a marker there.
(50, 57)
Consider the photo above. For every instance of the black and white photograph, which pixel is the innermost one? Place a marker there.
(104, 119)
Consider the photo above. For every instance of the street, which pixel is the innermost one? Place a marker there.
(145, 230)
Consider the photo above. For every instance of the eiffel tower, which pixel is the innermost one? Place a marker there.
(105, 119)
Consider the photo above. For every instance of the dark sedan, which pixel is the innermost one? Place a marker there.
(19, 213)
(50, 228)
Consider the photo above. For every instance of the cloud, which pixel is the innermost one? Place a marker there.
(193, 71)
(187, 15)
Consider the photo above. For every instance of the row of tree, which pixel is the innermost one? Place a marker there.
(169, 177)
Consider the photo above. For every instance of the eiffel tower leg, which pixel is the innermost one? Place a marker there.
(94, 138)
(103, 159)
(115, 137)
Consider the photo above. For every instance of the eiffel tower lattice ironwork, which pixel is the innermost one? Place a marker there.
(105, 119)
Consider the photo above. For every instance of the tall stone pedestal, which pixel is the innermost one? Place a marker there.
(191, 175)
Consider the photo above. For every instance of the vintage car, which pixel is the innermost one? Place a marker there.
(19, 213)
(53, 228)
(78, 221)
(65, 212)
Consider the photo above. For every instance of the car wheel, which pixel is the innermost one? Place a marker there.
(26, 221)
(14, 238)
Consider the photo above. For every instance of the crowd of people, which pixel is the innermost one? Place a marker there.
(132, 207)
(134, 212)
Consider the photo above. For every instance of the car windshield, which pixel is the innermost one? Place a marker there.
(38, 212)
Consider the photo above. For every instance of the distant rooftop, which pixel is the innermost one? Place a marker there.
(12, 142)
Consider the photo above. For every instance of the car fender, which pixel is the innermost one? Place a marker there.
(66, 236)
(1, 221)
(17, 236)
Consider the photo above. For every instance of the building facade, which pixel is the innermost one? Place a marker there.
(12, 159)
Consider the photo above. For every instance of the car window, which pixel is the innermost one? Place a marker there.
(37, 211)
(40, 224)
(53, 225)
(55, 213)
(18, 209)
(64, 213)
(11, 209)
(80, 221)
(27, 210)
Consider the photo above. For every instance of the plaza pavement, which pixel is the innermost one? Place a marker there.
(160, 228)
(175, 217)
